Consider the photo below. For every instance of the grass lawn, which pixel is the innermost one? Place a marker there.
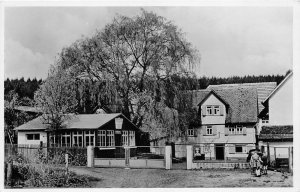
(133, 178)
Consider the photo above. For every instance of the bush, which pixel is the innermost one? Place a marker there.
(41, 175)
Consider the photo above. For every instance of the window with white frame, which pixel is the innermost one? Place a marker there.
(54, 140)
(35, 136)
(110, 138)
(209, 130)
(66, 139)
(102, 138)
(89, 138)
(238, 130)
(131, 138)
(231, 130)
(216, 110)
(213, 110)
(209, 110)
(125, 138)
(190, 132)
(77, 139)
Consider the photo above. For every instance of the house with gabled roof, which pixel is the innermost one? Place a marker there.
(81, 130)
(278, 132)
(228, 116)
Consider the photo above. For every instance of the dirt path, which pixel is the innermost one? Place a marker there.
(133, 178)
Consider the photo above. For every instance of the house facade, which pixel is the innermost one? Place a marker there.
(278, 131)
(228, 116)
(98, 130)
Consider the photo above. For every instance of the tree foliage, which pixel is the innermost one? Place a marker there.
(134, 62)
(56, 97)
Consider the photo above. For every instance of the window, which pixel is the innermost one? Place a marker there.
(238, 148)
(131, 138)
(209, 130)
(191, 132)
(77, 139)
(110, 138)
(33, 136)
(216, 110)
(213, 110)
(66, 139)
(209, 110)
(125, 138)
(236, 130)
(54, 140)
(102, 138)
(89, 138)
(265, 121)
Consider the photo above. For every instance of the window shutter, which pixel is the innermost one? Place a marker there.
(232, 149)
(244, 131)
(214, 130)
(245, 149)
(226, 131)
(203, 109)
(221, 110)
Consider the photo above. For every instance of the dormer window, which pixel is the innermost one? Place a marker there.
(213, 110)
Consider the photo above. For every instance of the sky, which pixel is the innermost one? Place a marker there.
(230, 40)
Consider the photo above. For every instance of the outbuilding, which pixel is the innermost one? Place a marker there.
(98, 130)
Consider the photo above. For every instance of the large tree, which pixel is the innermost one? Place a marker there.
(135, 62)
(56, 98)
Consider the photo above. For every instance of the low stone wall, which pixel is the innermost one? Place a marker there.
(133, 163)
(218, 165)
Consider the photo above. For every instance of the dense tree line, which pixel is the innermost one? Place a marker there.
(27, 88)
(21, 87)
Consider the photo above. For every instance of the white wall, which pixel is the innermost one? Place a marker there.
(213, 119)
(22, 139)
(220, 137)
(281, 105)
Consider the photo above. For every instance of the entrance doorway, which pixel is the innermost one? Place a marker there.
(219, 148)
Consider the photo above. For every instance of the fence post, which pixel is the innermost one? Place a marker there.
(189, 156)
(268, 154)
(291, 160)
(67, 162)
(90, 156)
(168, 156)
(127, 156)
(9, 173)
(275, 157)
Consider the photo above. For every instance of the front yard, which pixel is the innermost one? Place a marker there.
(150, 178)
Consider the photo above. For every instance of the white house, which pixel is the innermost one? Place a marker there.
(228, 120)
(278, 132)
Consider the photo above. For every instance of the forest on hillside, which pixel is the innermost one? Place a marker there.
(26, 89)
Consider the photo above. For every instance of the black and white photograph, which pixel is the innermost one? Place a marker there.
(148, 96)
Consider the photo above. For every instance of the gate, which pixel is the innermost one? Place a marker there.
(130, 157)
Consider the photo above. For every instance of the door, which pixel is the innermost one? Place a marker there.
(219, 148)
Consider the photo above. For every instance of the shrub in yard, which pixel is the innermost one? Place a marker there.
(41, 175)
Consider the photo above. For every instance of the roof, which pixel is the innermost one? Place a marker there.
(278, 87)
(28, 109)
(82, 121)
(242, 102)
(212, 92)
(264, 89)
(276, 132)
